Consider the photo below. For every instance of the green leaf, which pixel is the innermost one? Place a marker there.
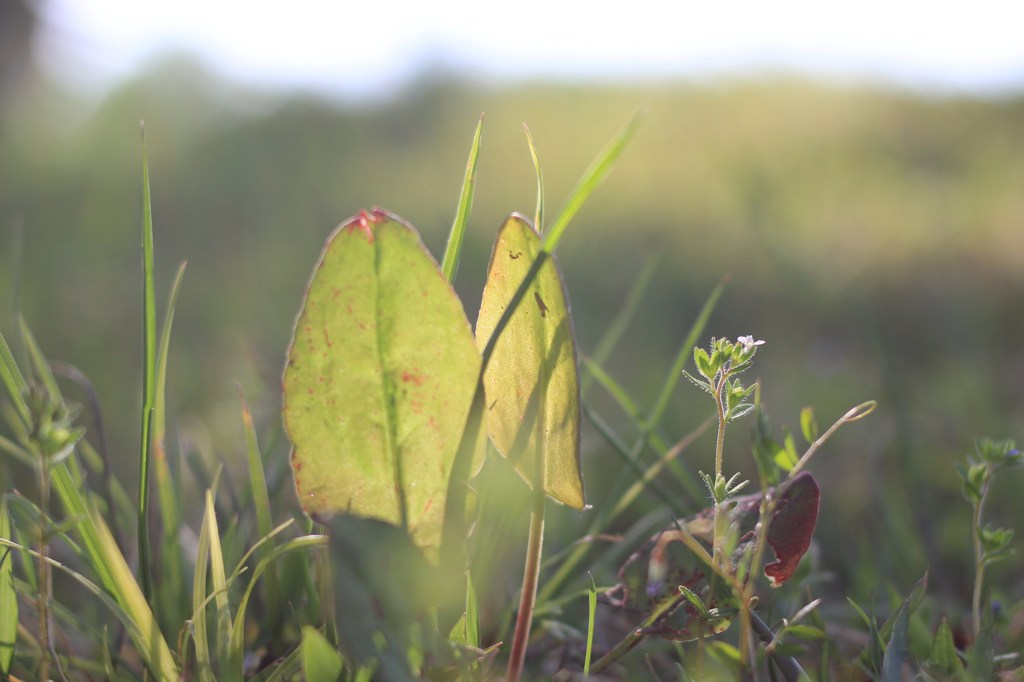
(808, 425)
(381, 372)
(452, 252)
(8, 597)
(943, 657)
(385, 597)
(896, 651)
(531, 381)
(320, 661)
(592, 610)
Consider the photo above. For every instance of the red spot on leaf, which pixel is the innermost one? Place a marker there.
(327, 338)
(408, 376)
(364, 222)
(792, 525)
(428, 505)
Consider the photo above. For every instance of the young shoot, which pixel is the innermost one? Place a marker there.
(717, 368)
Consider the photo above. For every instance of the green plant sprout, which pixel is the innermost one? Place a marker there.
(990, 544)
(718, 370)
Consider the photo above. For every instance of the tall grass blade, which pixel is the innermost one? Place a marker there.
(171, 588)
(591, 612)
(14, 382)
(149, 641)
(261, 501)
(452, 252)
(40, 367)
(614, 389)
(8, 597)
(200, 627)
(219, 589)
(622, 320)
(148, 371)
(264, 565)
(684, 354)
(592, 177)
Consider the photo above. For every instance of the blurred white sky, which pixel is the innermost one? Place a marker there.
(350, 48)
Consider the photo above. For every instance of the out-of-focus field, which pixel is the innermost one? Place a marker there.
(873, 238)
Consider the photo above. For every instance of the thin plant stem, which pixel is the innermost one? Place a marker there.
(44, 572)
(630, 641)
(719, 455)
(531, 573)
(979, 560)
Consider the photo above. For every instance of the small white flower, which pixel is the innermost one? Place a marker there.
(748, 343)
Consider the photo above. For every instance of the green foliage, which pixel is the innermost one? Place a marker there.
(367, 600)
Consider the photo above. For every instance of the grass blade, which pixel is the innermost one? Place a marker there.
(538, 214)
(592, 606)
(622, 320)
(40, 367)
(14, 382)
(204, 665)
(452, 252)
(218, 587)
(148, 371)
(684, 354)
(125, 601)
(8, 597)
(261, 501)
(472, 615)
(591, 178)
(264, 565)
(614, 389)
(171, 587)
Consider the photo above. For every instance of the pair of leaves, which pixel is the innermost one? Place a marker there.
(383, 367)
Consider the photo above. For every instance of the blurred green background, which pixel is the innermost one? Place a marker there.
(873, 237)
